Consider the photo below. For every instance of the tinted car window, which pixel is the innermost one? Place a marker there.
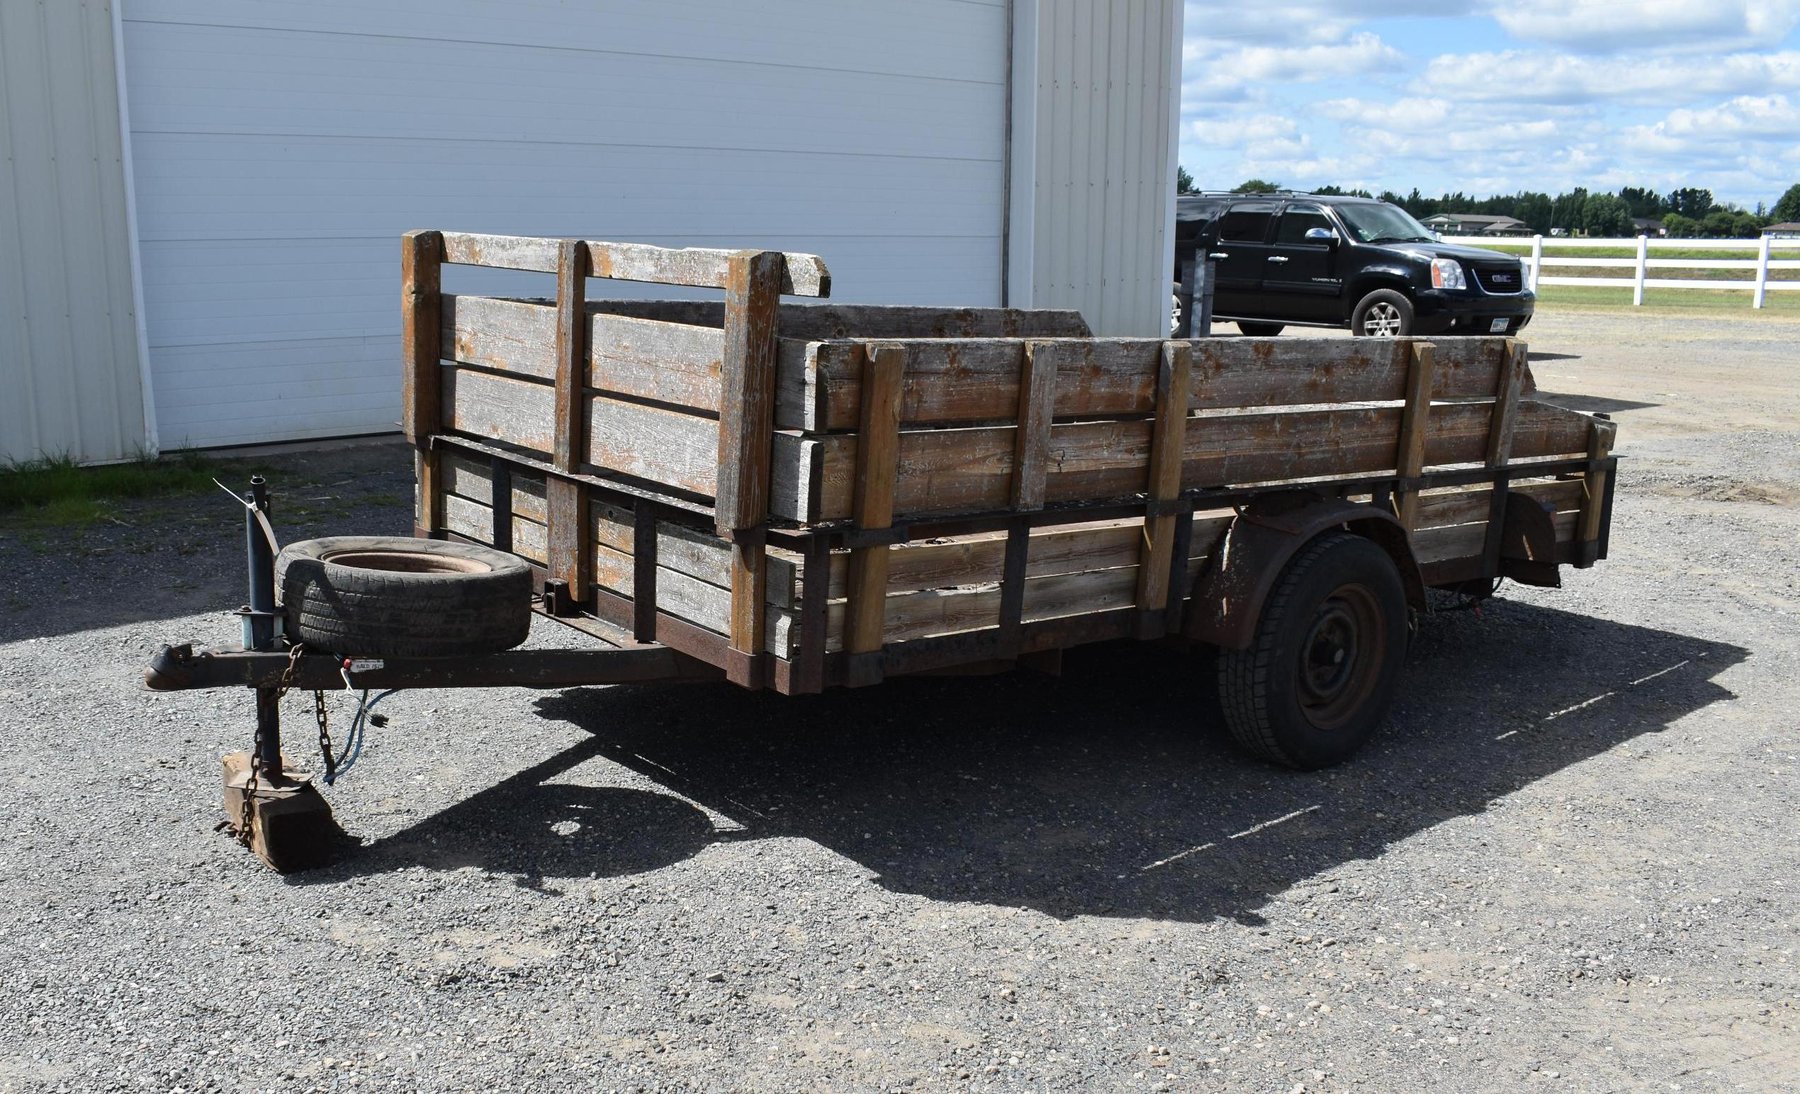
(1297, 220)
(1247, 222)
(1383, 224)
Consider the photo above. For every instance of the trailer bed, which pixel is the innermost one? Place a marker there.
(812, 495)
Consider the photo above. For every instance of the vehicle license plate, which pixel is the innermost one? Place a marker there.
(1498, 326)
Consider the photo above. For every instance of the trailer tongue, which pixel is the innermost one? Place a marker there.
(797, 497)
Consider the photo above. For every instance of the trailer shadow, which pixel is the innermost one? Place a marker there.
(1102, 792)
(1593, 404)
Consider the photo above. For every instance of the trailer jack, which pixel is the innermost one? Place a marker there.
(271, 806)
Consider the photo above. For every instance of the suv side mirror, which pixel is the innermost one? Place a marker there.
(1321, 235)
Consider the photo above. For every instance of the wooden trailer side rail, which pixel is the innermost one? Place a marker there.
(943, 484)
(741, 393)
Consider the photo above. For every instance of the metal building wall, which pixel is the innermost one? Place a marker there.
(281, 148)
(1091, 221)
(71, 378)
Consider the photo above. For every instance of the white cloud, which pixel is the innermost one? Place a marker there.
(1607, 26)
(1515, 76)
(1301, 22)
(1747, 118)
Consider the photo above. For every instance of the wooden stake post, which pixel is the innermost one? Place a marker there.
(1499, 452)
(1414, 422)
(746, 436)
(571, 546)
(1168, 440)
(421, 312)
(877, 468)
(1593, 506)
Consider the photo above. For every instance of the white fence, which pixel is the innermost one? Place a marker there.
(1759, 283)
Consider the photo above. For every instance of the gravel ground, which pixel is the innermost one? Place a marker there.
(1566, 864)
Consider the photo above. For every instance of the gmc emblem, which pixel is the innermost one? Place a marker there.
(1503, 279)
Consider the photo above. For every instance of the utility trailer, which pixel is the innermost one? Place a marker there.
(804, 496)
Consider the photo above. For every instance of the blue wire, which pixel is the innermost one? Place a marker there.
(358, 729)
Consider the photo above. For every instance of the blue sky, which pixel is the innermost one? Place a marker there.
(1488, 97)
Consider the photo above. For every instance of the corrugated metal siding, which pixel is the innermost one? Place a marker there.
(70, 380)
(1100, 145)
(282, 147)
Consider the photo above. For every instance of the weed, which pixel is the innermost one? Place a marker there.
(56, 491)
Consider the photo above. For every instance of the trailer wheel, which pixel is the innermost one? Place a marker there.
(392, 596)
(1320, 674)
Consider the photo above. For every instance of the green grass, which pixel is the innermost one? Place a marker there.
(1775, 305)
(57, 491)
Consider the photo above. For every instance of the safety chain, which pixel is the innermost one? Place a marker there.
(246, 830)
(324, 736)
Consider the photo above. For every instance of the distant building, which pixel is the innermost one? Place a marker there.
(1477, 224)
(1786, 230)
(1648, 226)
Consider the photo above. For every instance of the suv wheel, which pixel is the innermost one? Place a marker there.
(1259, 330)
(1383, 313)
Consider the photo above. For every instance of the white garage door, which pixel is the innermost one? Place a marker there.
(281, 147)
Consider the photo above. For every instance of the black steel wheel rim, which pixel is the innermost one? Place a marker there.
(1340, 657)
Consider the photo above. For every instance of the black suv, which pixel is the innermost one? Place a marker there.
(1344, 262)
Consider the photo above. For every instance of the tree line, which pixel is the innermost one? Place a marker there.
(1687, 213)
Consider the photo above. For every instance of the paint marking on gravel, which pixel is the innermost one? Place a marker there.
(1584, 704)
(1255, 828)
(1250, 831)
(1178, 856)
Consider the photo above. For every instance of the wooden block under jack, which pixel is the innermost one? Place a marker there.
(292, 827)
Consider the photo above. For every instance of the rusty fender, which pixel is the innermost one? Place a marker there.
(1229, 595)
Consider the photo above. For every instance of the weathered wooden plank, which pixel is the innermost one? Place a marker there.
(476, 521)
(670, 363)
(863, 322)
(969, 469)
(801, 274)
(1415, 421)
(499, 333)
(421, 319)
(640, 358)
(698, 602)
(660, 446)
(877, 465)
(679, 548)
(1471, 504)
(977, 559)
(1031, 442)
(471, 478)
(1453, 541)
(932, 612)
(506, 252)
(499, 408)
(798, 274)
(1432, 546)
(1167, 441)
(975, 380)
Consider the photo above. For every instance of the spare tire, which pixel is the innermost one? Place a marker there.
(391, 596)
